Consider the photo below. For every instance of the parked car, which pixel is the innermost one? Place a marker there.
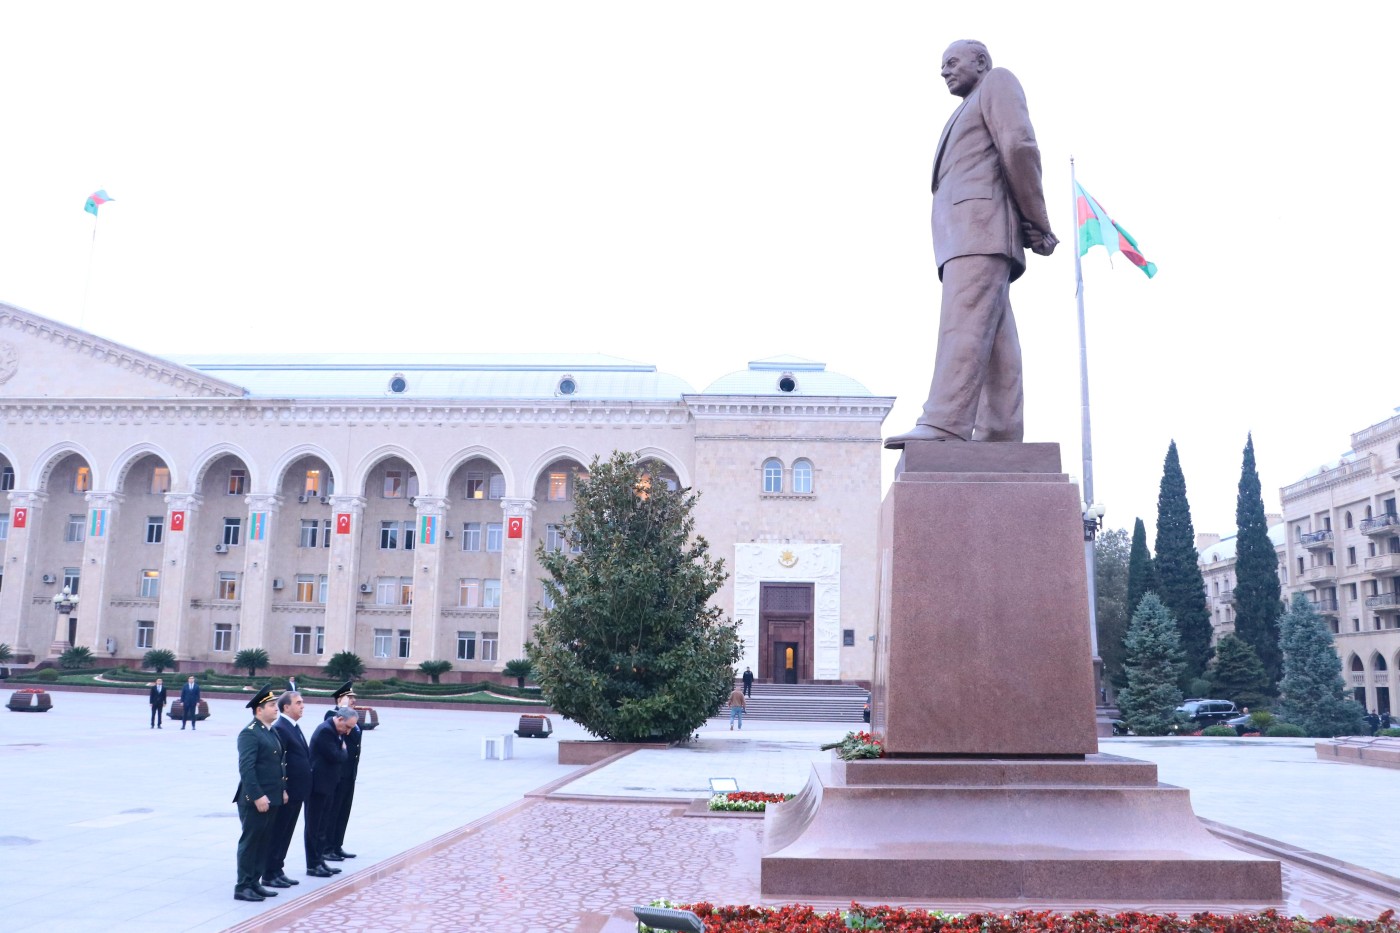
(1242, 723)
(1120, 727)
(1202, 713)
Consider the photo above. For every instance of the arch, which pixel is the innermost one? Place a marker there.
(542, 461)
(1346, 519)
(1377, 662)
(803, 476)
(1355, 665)
(467, 454)
(9, 459)
(293, 454)
(372, 459)
(210, 456)
(772, 475)
(128, 458)
(50, 458)
(669, 459)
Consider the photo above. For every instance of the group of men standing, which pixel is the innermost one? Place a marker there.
(189, 704)
(282, 774)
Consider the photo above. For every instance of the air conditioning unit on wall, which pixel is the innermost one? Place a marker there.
(302, 499)
(277, 583)
(221, 549)
(48, 578)
(366, 588)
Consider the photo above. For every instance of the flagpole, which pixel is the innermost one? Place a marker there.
(87, 284)
(1087, 445)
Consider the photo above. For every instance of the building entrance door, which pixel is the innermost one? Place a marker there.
(72, 631)
(785, 632)
(785, 662)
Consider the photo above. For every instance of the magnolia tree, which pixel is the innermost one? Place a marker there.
(629, 646)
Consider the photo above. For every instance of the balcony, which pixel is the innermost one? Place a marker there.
(1226, 595)
(1327, 607)
(1385, 602)
(1383, 564)
(1316, 540)
(1322, 575)
(1387, 524)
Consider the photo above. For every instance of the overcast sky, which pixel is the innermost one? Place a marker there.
(697, 185)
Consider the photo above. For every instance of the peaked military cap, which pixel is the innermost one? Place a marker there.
(261, 697)
(347, 687)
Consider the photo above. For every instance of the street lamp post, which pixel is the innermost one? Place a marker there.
(64, 604)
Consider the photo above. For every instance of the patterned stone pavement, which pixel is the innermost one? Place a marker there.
(554, 866)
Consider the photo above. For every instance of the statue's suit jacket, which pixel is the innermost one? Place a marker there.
(986, 176)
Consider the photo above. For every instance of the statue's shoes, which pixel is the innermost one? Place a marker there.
(921, 432)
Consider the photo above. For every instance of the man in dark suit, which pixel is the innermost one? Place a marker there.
(262, 778)
(988, 206)
(345, 790)
(328, 757)
(189, 703)
(157, 703)
(290, 706)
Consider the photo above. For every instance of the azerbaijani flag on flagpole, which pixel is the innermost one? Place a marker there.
(1096, 228)
(96, 200)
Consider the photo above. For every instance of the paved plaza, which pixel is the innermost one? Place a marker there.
(109, 825)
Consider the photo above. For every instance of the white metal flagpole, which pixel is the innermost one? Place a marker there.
(87, 284)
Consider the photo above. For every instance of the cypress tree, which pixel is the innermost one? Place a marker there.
(1257, 601)
(1153, 666)
(1111, 600)
(1142, 571)
(1181, 587)
(1236, 674)
(1313, 691)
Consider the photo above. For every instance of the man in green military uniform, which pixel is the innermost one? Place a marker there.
(262, 779)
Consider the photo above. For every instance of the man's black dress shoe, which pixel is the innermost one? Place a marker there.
(264, 891)
(330, 868)
(287, 881)
(330, 855)
(273, 883)
(247, 894)
(316, 871)
(343, 854)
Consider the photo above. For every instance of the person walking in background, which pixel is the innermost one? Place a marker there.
(262, 777)
(189, 703)
(736, 708)
(748, 682)
(345, 790)
(290, 706)
(157, 703)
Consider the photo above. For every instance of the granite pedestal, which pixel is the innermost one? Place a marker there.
(992, 786)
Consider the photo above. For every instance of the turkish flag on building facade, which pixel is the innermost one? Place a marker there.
(177, 521)
(515, 528)
(342, 523)
(21, 518)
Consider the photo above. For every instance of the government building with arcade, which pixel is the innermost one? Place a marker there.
(392, 505)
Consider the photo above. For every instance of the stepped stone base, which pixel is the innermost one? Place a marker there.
(1099, 829)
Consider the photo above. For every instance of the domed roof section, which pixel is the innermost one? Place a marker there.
(786, 375)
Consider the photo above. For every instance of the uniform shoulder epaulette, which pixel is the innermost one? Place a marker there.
(253, 724)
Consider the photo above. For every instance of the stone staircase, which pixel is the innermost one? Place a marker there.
(806, 702)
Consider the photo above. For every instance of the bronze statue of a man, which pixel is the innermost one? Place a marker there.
(988, 207)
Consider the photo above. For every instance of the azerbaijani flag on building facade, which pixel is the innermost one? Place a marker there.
(1096, 228)
(97, 527)
(257, 526)
(427, 529)
(96, 200)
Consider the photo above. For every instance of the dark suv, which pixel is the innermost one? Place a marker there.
(1202, 713)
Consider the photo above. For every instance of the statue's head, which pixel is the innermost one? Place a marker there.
(965, 64)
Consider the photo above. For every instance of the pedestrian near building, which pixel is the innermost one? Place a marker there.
(262, 776)
(297, 752)
(328, 757)
(189, 704)
(157, 701)
(736, 708)
(345, 790)
(1373, 722)
(748, 682)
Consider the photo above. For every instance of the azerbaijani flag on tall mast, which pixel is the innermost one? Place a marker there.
(96, 200)
(1096, 228)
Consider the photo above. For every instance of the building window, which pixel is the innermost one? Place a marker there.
(320, 639)
(313, 483)
(546, 597)
(237, 482)
(301, 639)
(306, 588)
(160, 481)
(404, 643)
(493, 536)
(466, 646)
(405, 592)
(476, 484)
(802, 476)
(394, 485)
(326, 533)
(155, 529)
(408, 531)
(323, 586)
(554, 537)
(74, 530)
(388, 536)
(150, 584)
(309, 529)
(232, 531)
(386, 591)
(145, 634)
(71, 578)
(468, 593)
(4, 526)
(1351, 557)
(383, 640)
(1351, 592)
(223, 636)
(7, 478)
(848, 638)
(490, 645)
(772, 476)
(471, 536)
(1346, 519)
(491, 595)
(228, 584)
(82, 479)
(558, 487)
(497, 487)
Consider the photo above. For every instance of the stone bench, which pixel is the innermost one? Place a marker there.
(497, 746)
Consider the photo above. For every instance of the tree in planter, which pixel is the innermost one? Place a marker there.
(76, 658)
(631, 648)
(158, 659)
(1313, 693)
(345, 665)
(520, 668)
(1152, 665)
(1181, 588)
(1257, 600)
(435, 669)
(254, 659)
(1236, 674)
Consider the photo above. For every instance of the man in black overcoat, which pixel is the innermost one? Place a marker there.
(345, 790)
(328, 757)
(262, 778)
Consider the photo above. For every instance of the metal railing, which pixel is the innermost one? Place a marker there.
(1379, 523)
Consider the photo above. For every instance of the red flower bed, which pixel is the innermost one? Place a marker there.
(797, 918)
(755, 796)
